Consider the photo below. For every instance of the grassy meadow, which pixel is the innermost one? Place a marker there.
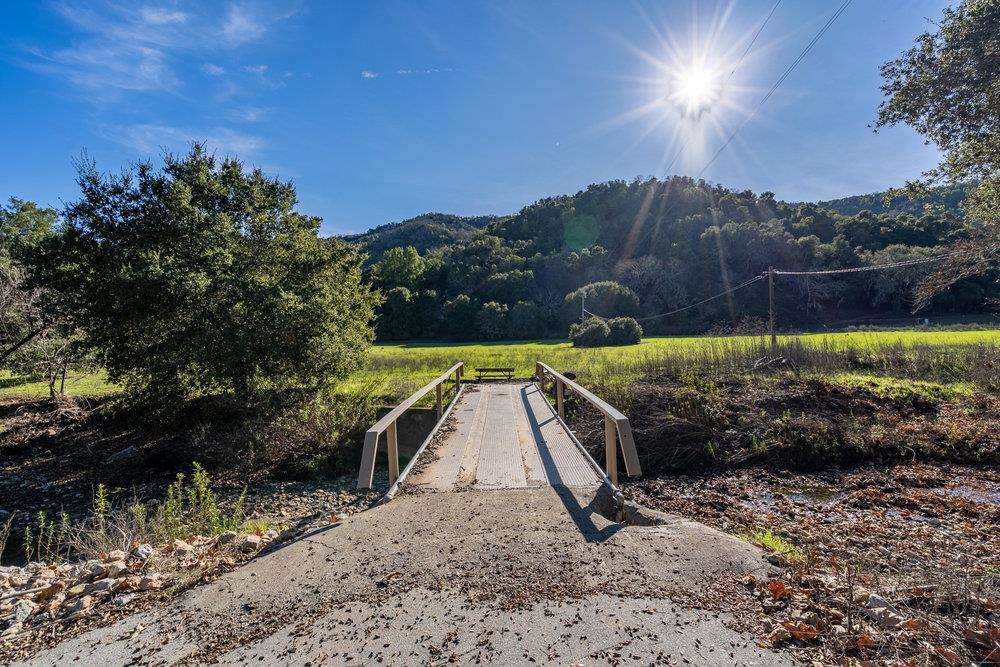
(394, 370)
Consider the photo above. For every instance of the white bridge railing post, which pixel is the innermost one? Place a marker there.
(387, 425)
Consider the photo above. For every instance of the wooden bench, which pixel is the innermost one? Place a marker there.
(494, 373)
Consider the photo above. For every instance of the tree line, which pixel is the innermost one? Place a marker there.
(649, 246)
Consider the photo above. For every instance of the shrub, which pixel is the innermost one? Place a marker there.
(591, 333)
(624, 331)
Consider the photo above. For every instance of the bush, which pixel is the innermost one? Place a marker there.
(591, 333)
(624, 331)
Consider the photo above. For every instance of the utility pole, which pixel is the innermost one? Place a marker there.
(770, 306)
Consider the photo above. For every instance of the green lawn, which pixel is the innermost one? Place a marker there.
(396, 369)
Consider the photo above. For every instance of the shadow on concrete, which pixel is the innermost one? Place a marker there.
(582, 515)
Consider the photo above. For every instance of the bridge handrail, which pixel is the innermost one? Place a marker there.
(387, 424)
(616, 424)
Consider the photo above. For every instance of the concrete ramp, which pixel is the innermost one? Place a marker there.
(503, 436)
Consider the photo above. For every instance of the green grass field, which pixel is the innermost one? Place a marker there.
(396, 369)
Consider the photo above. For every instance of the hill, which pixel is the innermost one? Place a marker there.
(948, 198)
(647, 247)
(425, 233)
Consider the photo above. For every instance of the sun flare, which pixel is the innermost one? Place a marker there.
(694, 90)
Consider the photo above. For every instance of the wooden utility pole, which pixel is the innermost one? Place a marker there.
(770, 306)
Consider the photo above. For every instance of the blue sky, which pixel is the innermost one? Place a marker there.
(380, 111)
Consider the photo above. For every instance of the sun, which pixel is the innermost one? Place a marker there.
(694, 90)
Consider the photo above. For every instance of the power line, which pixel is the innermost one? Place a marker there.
(858, 269)
(781, 79)
(691, 305)
(877, 267)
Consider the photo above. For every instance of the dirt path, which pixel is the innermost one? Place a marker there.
(500, 577)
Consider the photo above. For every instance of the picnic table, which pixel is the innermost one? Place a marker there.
(494, 373)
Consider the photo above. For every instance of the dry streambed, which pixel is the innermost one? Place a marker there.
(896, 565)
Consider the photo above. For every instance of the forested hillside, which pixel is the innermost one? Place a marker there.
(424, 232)
(944, 198)
(646, 247)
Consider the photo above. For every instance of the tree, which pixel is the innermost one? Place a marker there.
(396, 317)
(458, 317)
(526, 320)
(624, 331)
(947, 88)
(606, 298)
(201, 277)
(400, 267)
(590, 333)
(491, 320)
(23, 226)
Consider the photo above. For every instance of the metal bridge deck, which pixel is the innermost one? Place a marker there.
(503, 436)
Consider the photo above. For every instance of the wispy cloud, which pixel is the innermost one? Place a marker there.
(368, 74)
(242, 24)
(151, 138)
(431, 70)
(122, 47)
(249, 114)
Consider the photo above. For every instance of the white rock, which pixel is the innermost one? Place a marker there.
(143, 551)
(23, 610)
(82, 604)
(122, 600)
(250, 543)
(115, 569)
(100, 586)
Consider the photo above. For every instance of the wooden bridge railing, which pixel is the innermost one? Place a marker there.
(616, 425)
(388, 425)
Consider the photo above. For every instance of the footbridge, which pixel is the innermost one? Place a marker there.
(502, 435)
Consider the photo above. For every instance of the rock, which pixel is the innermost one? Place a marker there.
(226, 538)
(249, 543)
(779, 635)
(54, 604)
(100, 587)
(271, 534)
(114, 556)
(182, 549)
(11, 630)
(80, 605)
(143, 551)
(287, 534)
(130, 583)
(76, 590)
(152, 582)
(122, 600)
(50, 592)
(115, 569)
(23, 610)
(883, 612)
